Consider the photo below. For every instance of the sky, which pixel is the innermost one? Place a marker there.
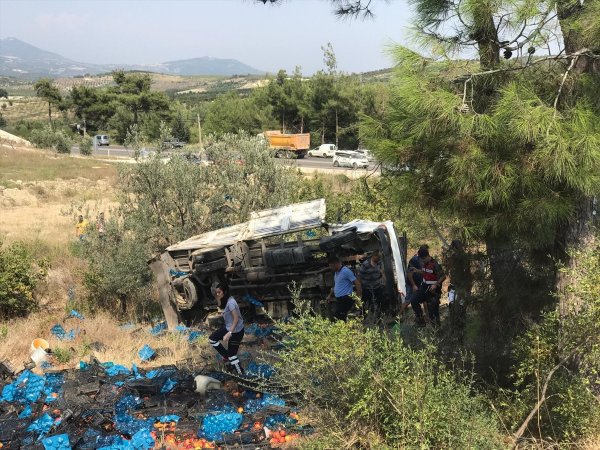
(267, 37)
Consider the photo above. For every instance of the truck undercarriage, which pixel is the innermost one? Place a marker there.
(276, 252)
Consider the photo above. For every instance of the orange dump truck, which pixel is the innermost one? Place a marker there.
(288, 145)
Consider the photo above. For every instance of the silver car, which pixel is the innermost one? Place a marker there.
(101, 139)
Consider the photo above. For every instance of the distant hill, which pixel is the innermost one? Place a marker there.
(202, 66)
(22, 60)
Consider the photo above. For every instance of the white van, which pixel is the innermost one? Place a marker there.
(101, 139)
(350, 159)
(323, 151)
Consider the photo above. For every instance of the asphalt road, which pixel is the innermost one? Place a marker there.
(311, 163)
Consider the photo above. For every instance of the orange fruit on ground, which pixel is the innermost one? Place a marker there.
(240, 410)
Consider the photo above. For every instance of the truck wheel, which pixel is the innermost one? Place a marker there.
(278, 154)
(300, 155)
(190, 294)
(211, 266)
(329, 243)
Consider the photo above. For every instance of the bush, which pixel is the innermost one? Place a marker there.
(371, 389)
(49, 138)
(571, 410)
(85, 146)
(63, 355)
(18, 279)
(117, 267)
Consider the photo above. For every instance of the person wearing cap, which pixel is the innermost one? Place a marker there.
(413, 276)
(344, 283)
(430, 290)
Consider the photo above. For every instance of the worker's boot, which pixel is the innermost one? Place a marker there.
(420, 321)
(233, 366)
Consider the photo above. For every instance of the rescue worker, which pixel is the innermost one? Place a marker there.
(232, 332)
(414, 277)
(344, 283)
(429, 292)
(81, 227)
(371, 280)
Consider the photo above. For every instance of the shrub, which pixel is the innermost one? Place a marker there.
(49, 138)
(62, 143)
(18, 279)
(373, 390)
(63, 355)
(85, 146)
(117, 267)
(571, 410)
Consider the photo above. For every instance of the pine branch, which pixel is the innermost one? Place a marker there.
(562, 83)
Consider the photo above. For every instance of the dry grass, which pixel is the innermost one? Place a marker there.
(27, 165)
(121, 345)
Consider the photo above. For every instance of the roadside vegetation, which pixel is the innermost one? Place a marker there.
(493, 162)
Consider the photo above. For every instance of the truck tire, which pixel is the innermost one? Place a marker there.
(279, 154)
(190, 294)
(211, 266)
(300, 155)
(329, 243)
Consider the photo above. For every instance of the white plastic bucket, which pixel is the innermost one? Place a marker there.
(39, 343)
(39, 356)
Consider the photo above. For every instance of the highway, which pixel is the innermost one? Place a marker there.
(316, 164)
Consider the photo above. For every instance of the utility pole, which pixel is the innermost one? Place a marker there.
(199, 131)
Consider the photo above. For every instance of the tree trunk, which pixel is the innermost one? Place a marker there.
(487, 41)
(323, 131)
(50, 114)
(161, 271)
(578, 235)
(503, 267)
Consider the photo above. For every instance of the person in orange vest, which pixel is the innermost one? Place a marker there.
(429, 292)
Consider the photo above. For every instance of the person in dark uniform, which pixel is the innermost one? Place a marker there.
(430, 291)
(371, 280)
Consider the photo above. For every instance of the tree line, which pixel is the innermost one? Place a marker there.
(328, 105)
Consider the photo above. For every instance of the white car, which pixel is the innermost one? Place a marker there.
(367, 153)
(350, 159)
(323, 151)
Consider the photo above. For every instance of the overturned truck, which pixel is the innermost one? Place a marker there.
(277, 249)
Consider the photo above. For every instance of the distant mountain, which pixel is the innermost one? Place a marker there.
(203, 66)
(22, 60)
